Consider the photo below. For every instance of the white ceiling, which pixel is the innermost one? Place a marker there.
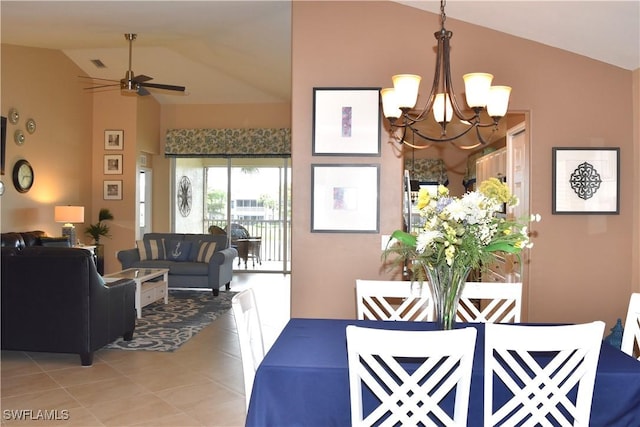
(239, 51)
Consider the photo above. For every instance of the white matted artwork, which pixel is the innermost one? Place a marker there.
(112, 190)
(113, 164)
(586, 180)
(346, 121)
(113, 139)
(345, 198)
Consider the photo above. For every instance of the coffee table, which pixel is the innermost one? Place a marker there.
(147, 290)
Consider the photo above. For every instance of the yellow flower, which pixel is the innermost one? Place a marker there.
(442, 190)
(423, 198)
(498, 190)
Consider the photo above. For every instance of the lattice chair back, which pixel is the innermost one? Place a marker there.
(631, 333)
(245, 312)
(406, 377)
(490, 302)
(547, 372)
(393, 300)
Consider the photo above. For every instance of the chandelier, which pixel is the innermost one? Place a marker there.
(398, 102)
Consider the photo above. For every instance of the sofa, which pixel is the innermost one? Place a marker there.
(23, 239)
(193, 260)
(54, 300)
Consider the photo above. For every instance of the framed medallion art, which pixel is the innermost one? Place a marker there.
(586, 181)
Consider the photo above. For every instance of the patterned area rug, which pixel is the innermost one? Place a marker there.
(166, 327)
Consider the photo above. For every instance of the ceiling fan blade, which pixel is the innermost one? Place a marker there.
(142, 91)
(142, 78)
(101, 86)
(97, 78)
(163, 86)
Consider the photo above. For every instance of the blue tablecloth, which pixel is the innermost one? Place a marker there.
(303, 379)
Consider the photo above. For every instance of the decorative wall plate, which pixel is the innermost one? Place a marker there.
(31, 126)
(18, 137)
(14, 116)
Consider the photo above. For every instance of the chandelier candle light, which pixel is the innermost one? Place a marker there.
(69, 215)
(398, 102)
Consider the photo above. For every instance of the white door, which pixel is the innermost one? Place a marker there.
(143, 205)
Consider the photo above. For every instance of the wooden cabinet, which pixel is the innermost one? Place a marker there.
(492, 165)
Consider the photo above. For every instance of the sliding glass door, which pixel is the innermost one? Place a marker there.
(246, 198)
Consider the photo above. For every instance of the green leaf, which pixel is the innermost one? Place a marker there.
(405, 238)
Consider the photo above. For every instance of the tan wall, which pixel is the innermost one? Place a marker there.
(42, 84)
(581, 265)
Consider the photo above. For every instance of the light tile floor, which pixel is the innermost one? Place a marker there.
(198, 385)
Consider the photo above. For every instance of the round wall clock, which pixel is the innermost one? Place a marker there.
(184, 196)
(22, 176)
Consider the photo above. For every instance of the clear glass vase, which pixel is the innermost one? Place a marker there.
(446, 284)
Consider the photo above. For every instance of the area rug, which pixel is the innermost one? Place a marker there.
(167, 327)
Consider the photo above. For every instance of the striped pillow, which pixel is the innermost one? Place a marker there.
(150, 249)
(206, 251)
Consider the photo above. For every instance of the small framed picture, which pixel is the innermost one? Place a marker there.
(586, 181)
(346, 121)
(112, 190)
(113, 139)
(113, 164)
(345, 198)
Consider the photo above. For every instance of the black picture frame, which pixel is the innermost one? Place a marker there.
(345, 198)
(346, 121)
(3, 147)
(586, 180)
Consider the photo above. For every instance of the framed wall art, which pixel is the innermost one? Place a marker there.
(586, 180)
(345, 198)
(346, 121)
(112, 190)
(113, 164)
(113, 139)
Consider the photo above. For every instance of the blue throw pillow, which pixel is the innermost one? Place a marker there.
(177, 250)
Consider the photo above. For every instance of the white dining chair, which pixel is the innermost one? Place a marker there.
(631, 333)
(549, 372)
(393, 300)
(443, 364)
(490, 302)
(245, 312)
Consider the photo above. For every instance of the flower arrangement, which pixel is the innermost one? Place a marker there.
(464, 230)
(459, 234)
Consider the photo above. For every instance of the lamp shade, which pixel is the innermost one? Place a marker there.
(477, 87)
(498, 100)
(442, 110)
(390, 106)
(406, 89)
(69, 214)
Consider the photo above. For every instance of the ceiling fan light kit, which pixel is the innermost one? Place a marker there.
(132, 84)
(398, 102)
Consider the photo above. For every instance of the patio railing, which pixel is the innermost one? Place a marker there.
(271, 231)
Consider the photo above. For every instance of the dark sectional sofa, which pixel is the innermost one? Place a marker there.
(193, 260)
(54, 300)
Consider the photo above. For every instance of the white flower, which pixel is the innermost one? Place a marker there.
(426, 238)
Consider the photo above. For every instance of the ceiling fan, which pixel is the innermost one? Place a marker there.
(132, 84)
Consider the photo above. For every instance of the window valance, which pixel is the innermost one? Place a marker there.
(262, 142)
(427, 170)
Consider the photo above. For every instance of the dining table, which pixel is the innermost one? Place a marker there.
(303, 379)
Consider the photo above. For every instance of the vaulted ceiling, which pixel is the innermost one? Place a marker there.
(240, 51)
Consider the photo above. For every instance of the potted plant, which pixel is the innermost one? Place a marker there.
(98, 230)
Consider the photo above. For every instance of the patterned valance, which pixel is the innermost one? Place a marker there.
(427, 170)
(228, 142)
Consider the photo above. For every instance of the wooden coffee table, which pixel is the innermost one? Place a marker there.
(147, 291)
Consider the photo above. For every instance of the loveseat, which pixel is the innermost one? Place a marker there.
(54, 300)
(193, 260)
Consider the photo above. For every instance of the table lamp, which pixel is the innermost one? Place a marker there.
(69, 215)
